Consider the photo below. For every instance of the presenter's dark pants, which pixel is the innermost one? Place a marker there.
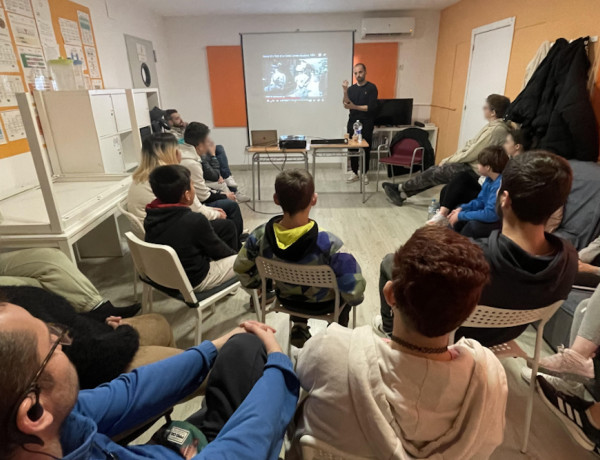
(232, 209)
(238, 366)
(367, 133)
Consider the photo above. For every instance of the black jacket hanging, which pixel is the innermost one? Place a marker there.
(422, 137)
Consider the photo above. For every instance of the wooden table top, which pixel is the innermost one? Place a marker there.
(351, 144)
(274, 149)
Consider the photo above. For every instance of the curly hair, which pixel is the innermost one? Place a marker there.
(437, 280)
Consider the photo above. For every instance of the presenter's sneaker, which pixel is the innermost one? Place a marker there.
(300, 334)
(230, 181)
(391, 191)
(241, 197)
(573, 413)
(570, 388)
(352, 177)
(439, 219)
(365, 179)
(569, 365)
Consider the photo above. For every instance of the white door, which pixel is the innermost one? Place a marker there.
(488, 67)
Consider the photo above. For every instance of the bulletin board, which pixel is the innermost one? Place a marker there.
(31, 33)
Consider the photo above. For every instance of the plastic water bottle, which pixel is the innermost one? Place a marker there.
(432, 209)
(357, 131)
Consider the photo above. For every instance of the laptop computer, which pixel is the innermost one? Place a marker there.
(264, 138)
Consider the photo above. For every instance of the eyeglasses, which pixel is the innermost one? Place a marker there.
(61, 337)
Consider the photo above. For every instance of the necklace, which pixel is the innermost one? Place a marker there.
(426, 350)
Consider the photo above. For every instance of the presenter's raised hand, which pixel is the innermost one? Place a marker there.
(345, 85)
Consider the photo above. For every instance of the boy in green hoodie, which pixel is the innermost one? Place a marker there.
(294, 237)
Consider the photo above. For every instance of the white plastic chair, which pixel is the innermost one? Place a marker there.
(321, 276)
(314, 449)
(489, 317)
(137, 228)
(159, 267)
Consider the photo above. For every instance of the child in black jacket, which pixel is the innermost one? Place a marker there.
(206, 258)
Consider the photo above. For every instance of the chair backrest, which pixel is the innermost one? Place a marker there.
(405, 149)
(160, 264)
(321, 276)
(313, 449)
(137, 227)
(490, 317)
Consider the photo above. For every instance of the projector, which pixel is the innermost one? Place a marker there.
(292, 142)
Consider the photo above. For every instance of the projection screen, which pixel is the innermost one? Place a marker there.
(294, 81)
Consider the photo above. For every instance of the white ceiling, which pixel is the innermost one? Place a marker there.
(219, 7)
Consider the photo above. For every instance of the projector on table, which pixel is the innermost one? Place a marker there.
(292, 142)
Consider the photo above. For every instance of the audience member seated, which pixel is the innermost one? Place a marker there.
(294, 237)
(101, 350)
(464, 160)
(529, 268)
(51, 269)
(157, 150)
(177, 128)
(206, 258)
(589, 265)
(413, 396)
(211, 165)
(251, 396)
(478, 217)
(195, 146)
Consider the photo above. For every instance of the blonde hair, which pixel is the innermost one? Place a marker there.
(157, 150)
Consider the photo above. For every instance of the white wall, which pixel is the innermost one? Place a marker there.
(127, 17)
(187, 89)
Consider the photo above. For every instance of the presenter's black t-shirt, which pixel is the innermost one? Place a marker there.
(363, 95)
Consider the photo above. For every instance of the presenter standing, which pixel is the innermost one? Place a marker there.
(361, 100)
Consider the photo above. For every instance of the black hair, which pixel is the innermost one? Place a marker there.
(363, 66)
(493, 156)
(195, 133)
(538, 183)
(170, 182)
(521, 137)
(498, 104)
(169, 112)
(294, 189)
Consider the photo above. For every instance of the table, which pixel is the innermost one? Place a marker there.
(342, 150)
(273, 155)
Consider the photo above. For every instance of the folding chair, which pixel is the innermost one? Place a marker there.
(320, 276)
(159, 268)
(313, 449)
(137, 228)
(490, 317)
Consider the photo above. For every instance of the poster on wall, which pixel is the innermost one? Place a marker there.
(4, 33)
(92, 60)
(24, 30)
(13, 124)
(19, 6)
(69, 31)
(86, 28)
(2, 136)
(97, 84)
(8, 60)
(9, 86)
(43, 19)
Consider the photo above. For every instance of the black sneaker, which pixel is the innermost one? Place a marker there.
(391, 191)
(300, 334)
(571, 411)
(106, 309)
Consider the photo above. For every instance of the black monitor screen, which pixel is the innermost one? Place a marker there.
(394, 112)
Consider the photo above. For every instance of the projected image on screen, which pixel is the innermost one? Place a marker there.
(295, 77)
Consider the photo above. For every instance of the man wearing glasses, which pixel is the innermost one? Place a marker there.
(250, 397)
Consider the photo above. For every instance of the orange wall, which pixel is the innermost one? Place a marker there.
(536, 21)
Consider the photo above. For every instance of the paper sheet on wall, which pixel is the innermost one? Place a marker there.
(19, 6)
(2, 136)
(9, 86)
(69, 31)
(8, 60)
(24, 30)
(88, 82)
(4, 34)
(86, 28)
(76, 53)
(43, 19)
(97, 84)
(92, 60)
(141, 52)
(13, 124)
(31, 57)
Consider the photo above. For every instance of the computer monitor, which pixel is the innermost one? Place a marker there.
(394, 112)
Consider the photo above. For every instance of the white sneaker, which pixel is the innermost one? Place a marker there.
(377, 325)
(571, 388)
(365, 179)
(352, 178)
(569, 365)
(241, 197)
(438, 219)
(230, 181)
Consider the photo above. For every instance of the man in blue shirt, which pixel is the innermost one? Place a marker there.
(251, 396)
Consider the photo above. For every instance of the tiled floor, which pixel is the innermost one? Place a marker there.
(369, 231)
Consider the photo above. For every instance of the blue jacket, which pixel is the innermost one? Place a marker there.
(483, 208)
(255, 430)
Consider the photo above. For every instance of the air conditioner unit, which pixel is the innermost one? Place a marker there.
(377, 27)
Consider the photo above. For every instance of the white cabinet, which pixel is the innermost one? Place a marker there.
(141, 102)
(88, 131)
